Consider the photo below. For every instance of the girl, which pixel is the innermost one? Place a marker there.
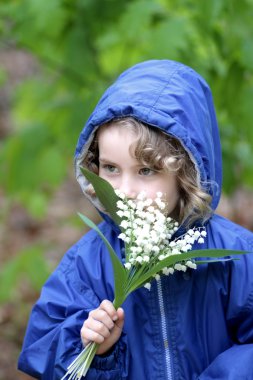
(154, 129)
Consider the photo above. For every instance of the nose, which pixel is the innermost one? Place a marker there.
(128, 187)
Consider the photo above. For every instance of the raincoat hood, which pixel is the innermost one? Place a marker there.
(172, 97)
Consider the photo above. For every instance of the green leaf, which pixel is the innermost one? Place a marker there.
(138, 281)
(120, 273)
(105, 193)
(199, 262)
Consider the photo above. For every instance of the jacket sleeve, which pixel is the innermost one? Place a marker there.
(52, 338)
(233, 364)
(237, 361)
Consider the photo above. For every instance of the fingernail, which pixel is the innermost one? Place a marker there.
(115, 318)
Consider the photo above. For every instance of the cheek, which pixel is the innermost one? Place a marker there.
(112, 181)
(169, 187)
(172, 198)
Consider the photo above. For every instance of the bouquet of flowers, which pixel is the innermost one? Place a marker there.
(150, 250)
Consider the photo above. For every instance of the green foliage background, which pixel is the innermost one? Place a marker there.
(82, 45)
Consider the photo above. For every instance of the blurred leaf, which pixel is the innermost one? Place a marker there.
(172, 35)
(28, 264)
(3, 77)
(36, 203)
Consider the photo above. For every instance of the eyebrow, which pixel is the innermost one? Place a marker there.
(107, 161)
(103, 159)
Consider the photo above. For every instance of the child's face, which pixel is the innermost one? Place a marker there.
(118, 166)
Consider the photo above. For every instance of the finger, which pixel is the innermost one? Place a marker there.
(93, 330)
(115, 334)
(109, 308)
(121, 318)
(101, 328)
(97, 326)
(88, 335)
(101, 316)
(118, 326)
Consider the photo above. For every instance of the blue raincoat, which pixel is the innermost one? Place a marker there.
(193, 325)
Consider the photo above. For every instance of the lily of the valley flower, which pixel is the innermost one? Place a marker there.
(147, 233)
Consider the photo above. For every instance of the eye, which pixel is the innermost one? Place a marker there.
(109, 168)
(146, 171)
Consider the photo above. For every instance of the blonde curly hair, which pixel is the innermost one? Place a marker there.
(162, 152)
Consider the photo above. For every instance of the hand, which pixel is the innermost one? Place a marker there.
(104, 326)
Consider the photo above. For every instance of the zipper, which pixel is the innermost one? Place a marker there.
(164, 331)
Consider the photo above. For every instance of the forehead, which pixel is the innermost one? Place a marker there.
(113, 131)
(117, 144)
